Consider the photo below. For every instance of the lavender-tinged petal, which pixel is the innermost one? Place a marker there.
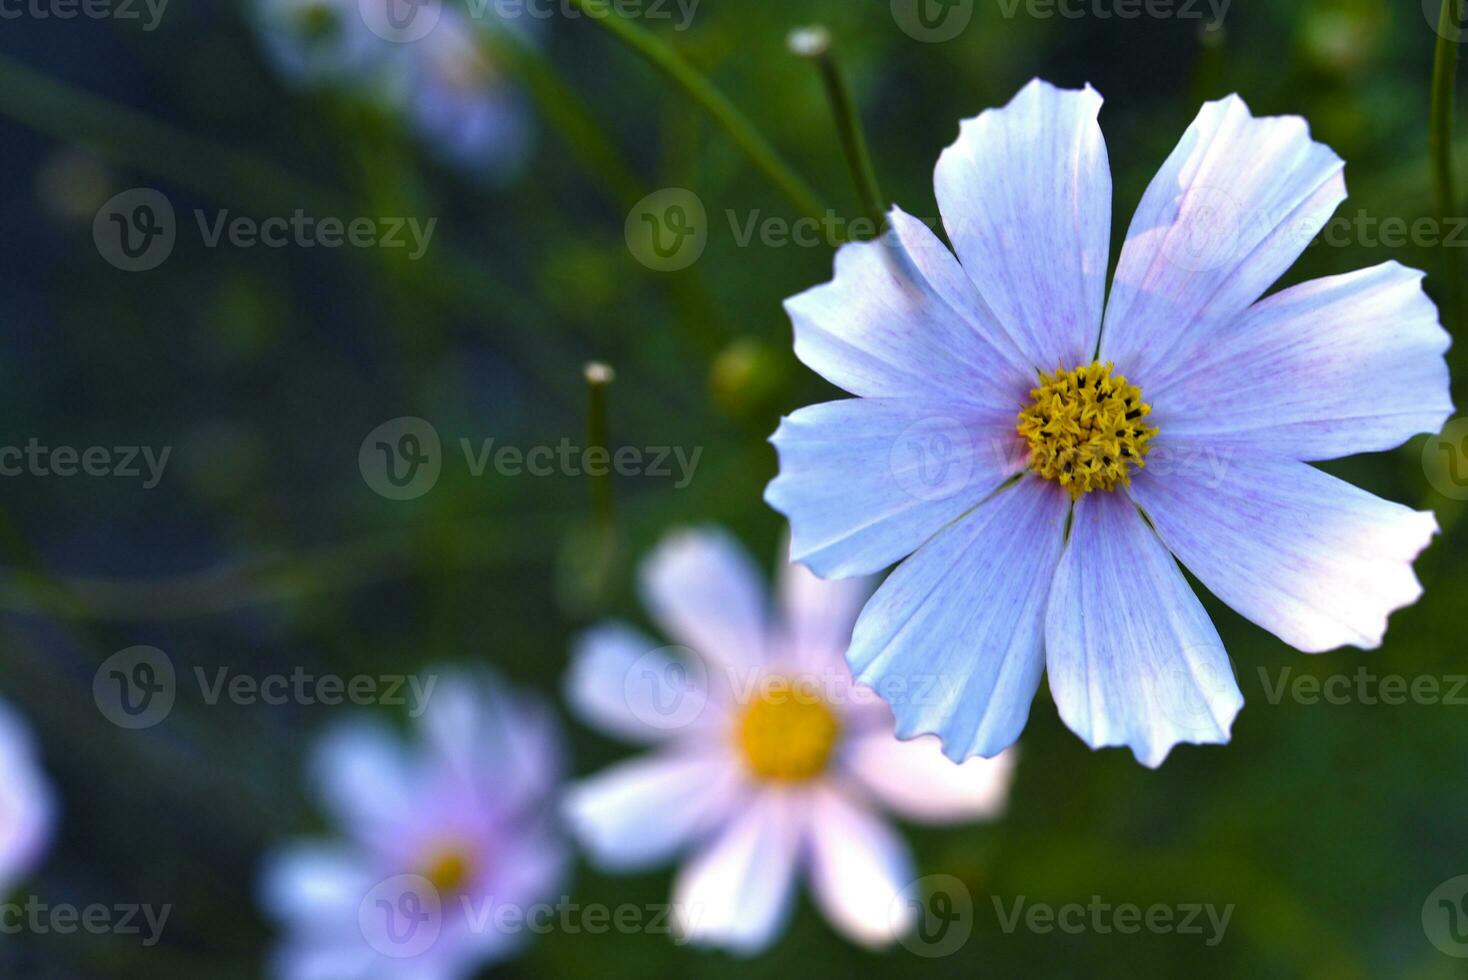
(624, 684)
(916, 781)
(1231, 209)
(952, 640)
(859, 867)
(817, 616)
(1328, 368)
(881, 329)
(704, 591)
(1025, 194)
(1314, 560)
(864, 482)
(643, 811)
(1132, 657)
(738, 892)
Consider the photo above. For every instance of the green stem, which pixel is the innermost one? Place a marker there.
(599, 378)
(744, 134)
(814, 44)
(1440, 136)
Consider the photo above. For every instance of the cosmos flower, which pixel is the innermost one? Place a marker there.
(1039, 462)
(27, 806)
(436, 838)
(462, 105)
(318, 42)
(768, 762)
(436, 73)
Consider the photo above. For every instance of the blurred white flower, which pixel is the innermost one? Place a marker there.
(462, 105)
(27, 805)
(318, 42)
(437, 838)
(441, 79)
(770, 761)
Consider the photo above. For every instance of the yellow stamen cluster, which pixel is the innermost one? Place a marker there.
(787, 735)
(1085, 428)
(449, 869)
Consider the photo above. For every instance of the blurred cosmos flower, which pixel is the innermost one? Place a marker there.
(436, 837)
(27, 807)
(1037, 538)
(461, 104)
(444, 83)
(316, 43)
(769, 760)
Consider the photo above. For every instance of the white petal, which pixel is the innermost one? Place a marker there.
(1317, 562)
(643, 811)
(952, 640)
(882, 329)
(738, 892)
(1132, 657)
(705, 592)
(1026, 196)
(818, 614)
(858, 867)
(915, 780)
(1337, 366)
(864, 482)
(27, 802)
(504, 746)
(315, 885)
(627, 685)
(1231, 209)
(366, 781)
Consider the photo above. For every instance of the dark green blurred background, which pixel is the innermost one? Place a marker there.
(1325, 825)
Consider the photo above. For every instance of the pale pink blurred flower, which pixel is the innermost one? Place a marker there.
(769, 762)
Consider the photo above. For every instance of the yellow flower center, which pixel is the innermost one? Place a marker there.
(1085, 428)
(787, 735)
(449, 868)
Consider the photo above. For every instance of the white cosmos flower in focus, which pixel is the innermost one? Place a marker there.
(1037, 450)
